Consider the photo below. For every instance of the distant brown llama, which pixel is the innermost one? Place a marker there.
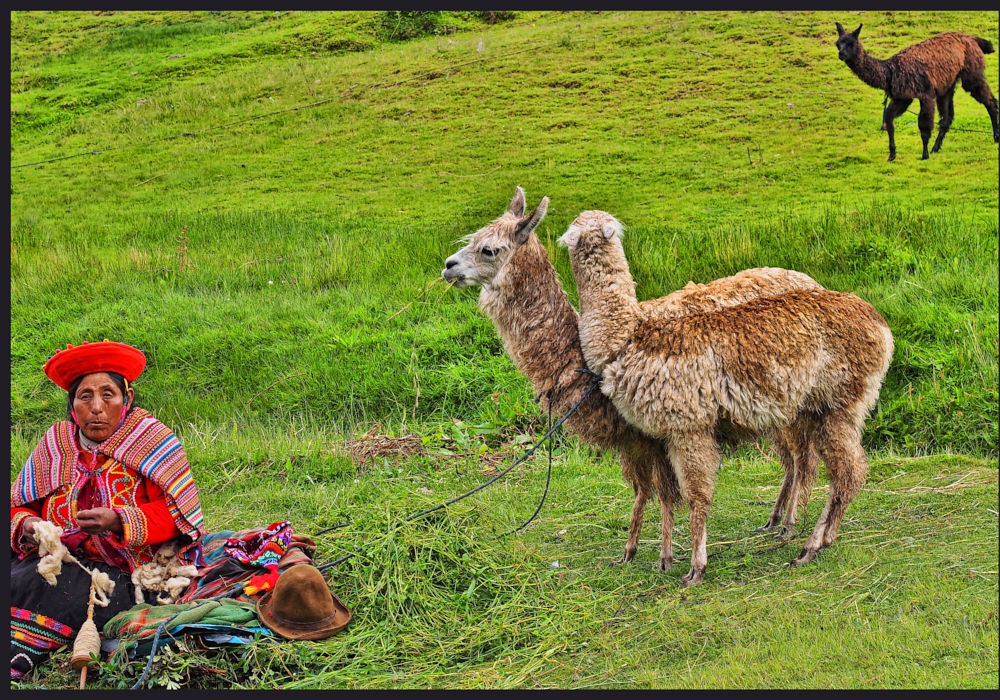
(927, 72)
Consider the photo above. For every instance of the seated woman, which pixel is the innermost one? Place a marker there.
(118, 483)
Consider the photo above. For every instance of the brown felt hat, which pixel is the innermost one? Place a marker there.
(301, 606)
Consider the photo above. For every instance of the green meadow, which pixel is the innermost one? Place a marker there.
(263, 203)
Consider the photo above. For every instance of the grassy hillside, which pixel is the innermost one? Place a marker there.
(263, 203)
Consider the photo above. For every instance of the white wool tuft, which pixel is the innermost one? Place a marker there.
(166, 573)
(51, 551)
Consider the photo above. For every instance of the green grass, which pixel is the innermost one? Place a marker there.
(281, 275)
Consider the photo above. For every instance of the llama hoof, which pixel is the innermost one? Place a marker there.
(804, 558)
(892, 157)
(767, 527)
(625, 558)
(785, 533)
(925, 156)
(665, 564)
(692, 578)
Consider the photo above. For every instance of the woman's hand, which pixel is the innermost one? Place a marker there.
(28, 527)
(98, 520)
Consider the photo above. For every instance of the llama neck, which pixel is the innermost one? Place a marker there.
(871, 70)
(537, 324)
(609, 310)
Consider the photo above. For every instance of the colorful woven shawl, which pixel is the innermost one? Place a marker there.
(141, 443)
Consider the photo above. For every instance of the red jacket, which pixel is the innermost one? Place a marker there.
(140, 503)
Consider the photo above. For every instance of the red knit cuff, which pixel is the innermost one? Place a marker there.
(17, 542)
(135, 528)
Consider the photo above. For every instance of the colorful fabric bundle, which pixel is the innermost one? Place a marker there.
(32, 638)
(143, 444)
(263, 548)
(222, 574)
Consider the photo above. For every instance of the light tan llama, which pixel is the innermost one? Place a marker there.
(521, 294)
(802, 359)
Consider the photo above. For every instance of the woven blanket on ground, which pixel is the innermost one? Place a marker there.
(214, 618)
(222, 574)
(143, 444)
(142, 620)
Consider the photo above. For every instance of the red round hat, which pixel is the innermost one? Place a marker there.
(67, 365)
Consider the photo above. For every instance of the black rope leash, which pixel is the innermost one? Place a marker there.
(594, 379)
(330, 529)
(548, 479)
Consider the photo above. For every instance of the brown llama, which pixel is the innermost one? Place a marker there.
(522, 295)
(927, 72)
(806, 357)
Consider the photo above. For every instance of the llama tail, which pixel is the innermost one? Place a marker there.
(984, 44)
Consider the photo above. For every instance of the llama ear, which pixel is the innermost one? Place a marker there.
(571, 237)
(840, 29)
(517, 204)
(857, 31)
(528, 223)
(610, 228)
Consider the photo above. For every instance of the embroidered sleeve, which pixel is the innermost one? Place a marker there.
(19, 543)
(147, 524)
(135, 529)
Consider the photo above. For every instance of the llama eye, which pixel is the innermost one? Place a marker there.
(488, 252)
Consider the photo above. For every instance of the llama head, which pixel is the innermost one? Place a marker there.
(848, 45)
(489, 248)
(592, 230)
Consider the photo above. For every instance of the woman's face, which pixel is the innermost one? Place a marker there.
(98, 405)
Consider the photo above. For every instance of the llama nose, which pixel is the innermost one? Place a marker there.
(448, 264)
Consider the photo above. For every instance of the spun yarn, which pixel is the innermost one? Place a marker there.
(52, 553)
(88, 642)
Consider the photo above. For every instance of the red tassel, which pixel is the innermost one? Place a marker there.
(262, 582)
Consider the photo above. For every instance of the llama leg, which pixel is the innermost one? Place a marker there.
(895, 108)
(669, 495)
(636, 473)
(845, 437)
(696, 458)
(788, 487)
(946, 107)
(926, 123)
(806, 462)
(977, 86)
(839, 442)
